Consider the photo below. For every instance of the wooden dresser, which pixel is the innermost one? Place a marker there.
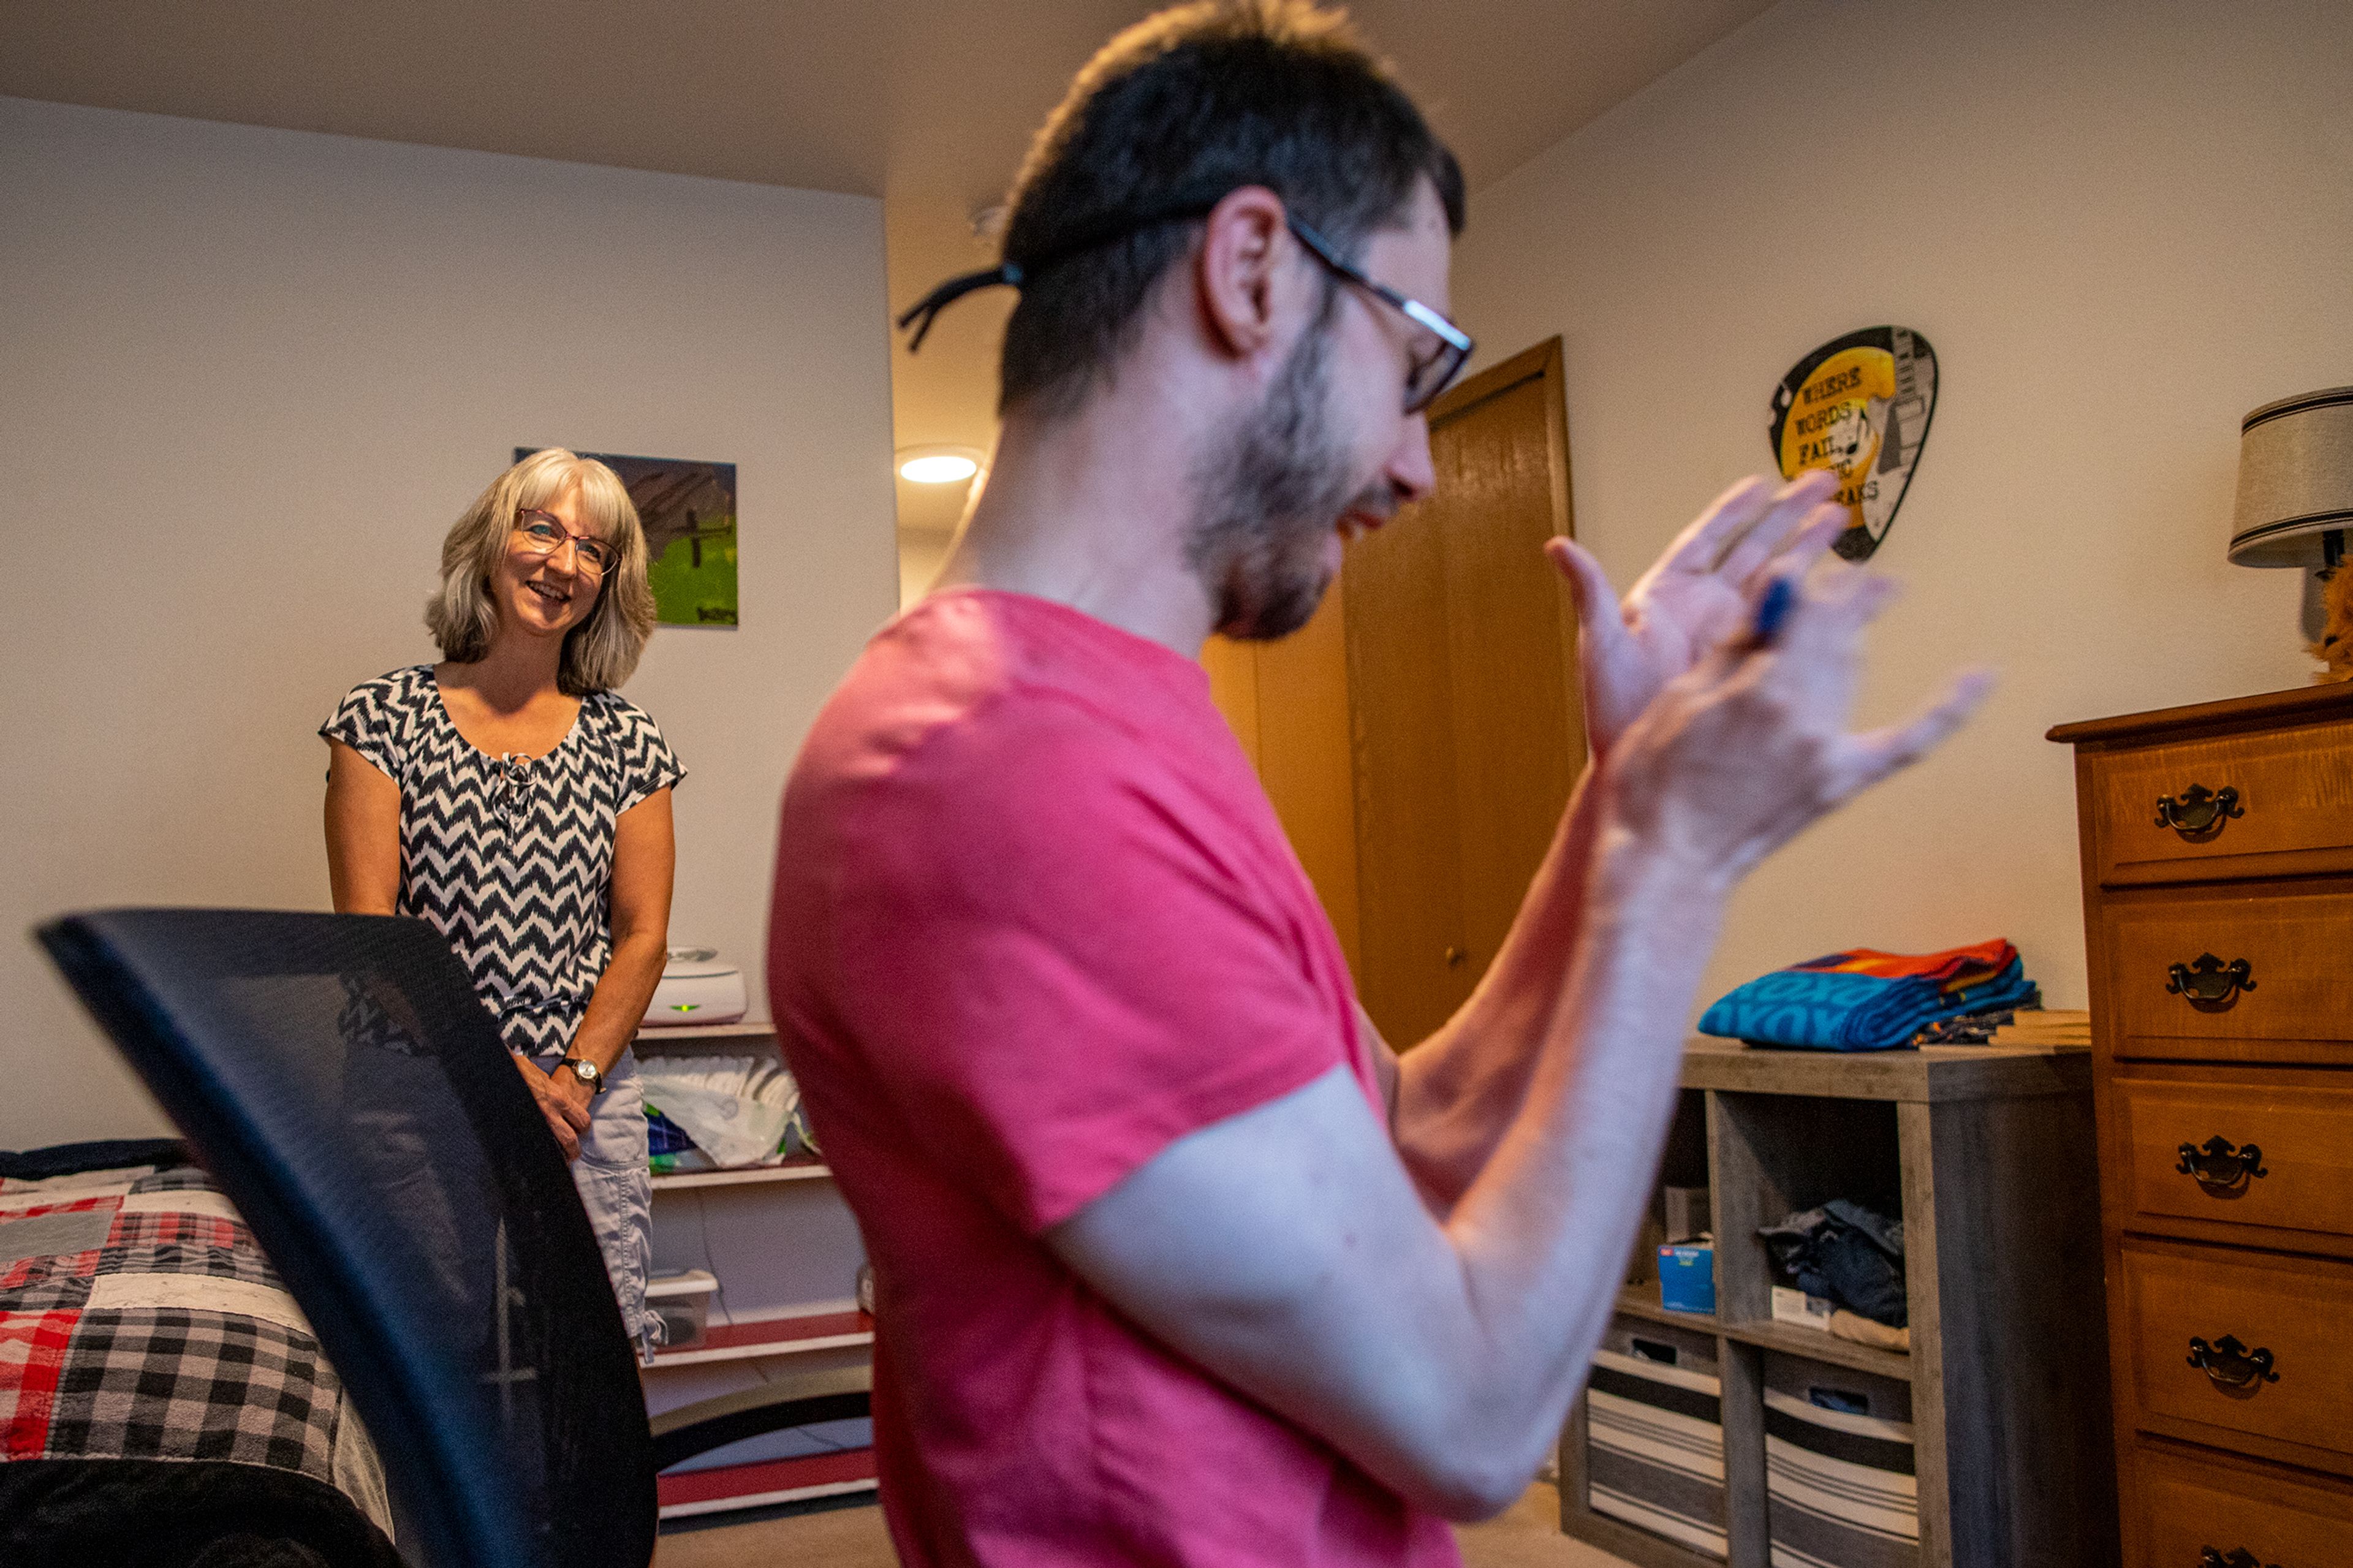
(2218, 910)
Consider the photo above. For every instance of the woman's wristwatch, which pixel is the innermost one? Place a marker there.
(585, 1071)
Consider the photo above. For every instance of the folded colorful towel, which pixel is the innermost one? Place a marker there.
(1864, 1000)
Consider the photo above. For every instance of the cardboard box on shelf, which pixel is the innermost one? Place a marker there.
(1686, 1212)
(1687, 1276)
(1794, 1306)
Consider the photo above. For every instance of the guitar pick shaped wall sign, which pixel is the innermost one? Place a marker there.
(1859, 406)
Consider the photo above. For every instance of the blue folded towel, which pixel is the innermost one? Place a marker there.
(1819, 1008)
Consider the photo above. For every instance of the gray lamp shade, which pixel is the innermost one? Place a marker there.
(2295, 480)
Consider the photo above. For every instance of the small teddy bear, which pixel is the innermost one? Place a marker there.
(2334, 647)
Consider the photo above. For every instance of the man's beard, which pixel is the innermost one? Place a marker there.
(1271, 493)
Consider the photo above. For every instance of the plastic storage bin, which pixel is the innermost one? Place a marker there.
(682, 1303)
(1654, 1434)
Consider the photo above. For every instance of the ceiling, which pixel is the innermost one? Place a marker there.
(925, 103)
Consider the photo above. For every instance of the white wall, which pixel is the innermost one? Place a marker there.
(2121, 225)
(248, 378)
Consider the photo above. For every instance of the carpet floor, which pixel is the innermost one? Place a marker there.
(852, 1536)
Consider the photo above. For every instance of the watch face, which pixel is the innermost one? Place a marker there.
(587, 1072)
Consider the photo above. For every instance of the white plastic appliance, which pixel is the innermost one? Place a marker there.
(697, 986)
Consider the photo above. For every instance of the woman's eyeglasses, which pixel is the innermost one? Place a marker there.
(545, 536)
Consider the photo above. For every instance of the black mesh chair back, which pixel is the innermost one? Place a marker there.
(337, 1076)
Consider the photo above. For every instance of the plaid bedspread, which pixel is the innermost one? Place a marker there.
(139, 1320)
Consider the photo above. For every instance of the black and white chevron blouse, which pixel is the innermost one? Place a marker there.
(511, 857)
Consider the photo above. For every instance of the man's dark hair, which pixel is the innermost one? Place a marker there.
(1180, 109)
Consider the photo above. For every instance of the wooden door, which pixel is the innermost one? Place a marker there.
(1467, 728)
(1288, 702)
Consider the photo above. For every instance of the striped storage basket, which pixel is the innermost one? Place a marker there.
(1838, 1479)
(1654, 1434)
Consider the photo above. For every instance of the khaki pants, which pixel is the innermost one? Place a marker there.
(616, 1188)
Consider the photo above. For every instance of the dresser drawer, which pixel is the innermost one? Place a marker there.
(2248, 1147)
(2290, 807)
(2190, 1507)
(2232, 976)
(2284, 1385)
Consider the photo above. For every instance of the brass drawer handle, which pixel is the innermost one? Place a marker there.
(2237, 1557)
(2197, 810)
(2207, 980)
(2221, 1168)
(2227, 1363)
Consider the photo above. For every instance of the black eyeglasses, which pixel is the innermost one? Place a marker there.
(1430, 373)
(545, 536)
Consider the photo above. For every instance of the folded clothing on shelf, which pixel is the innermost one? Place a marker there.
(1847, 1254)
(1864, 1000)
(1976, 1028)
(1865, 1331)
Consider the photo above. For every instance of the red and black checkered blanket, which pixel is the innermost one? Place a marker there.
(139, 1320)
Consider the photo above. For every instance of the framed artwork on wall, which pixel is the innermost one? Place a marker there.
(689, 512)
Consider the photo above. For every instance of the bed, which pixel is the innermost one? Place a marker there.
(163, 1402)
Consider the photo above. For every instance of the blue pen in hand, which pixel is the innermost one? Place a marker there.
(1772, 610)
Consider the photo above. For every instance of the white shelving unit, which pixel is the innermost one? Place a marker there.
(756, 1175)
(787, 1252)
(797, 1333)
(754, 1031)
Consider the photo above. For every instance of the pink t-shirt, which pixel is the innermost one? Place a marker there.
(1034, 921)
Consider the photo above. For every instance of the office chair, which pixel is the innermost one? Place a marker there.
(339, 1081)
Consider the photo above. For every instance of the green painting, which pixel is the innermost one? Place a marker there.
(689, 512)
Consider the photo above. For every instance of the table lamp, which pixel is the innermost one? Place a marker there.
(2296, 482)
(2295, 502)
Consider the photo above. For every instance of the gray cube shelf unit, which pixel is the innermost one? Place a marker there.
(1990, 1156)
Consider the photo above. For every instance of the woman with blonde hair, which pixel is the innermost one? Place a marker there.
(510, 797)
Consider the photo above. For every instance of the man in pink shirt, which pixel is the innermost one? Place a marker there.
(1177, 1262)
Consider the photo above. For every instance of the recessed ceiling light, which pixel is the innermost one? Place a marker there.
(938, 468)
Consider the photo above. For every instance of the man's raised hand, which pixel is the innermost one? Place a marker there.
(1743, 751)
(1695, 598)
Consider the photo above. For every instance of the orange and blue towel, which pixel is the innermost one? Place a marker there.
(1865, 1000)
